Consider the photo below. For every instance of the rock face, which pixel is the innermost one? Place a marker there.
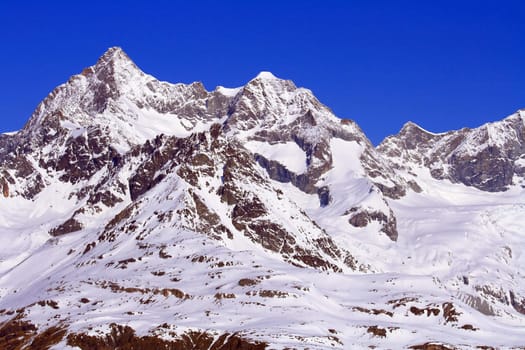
(144, 214)
(490, 158)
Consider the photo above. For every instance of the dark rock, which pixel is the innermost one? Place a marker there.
(517, 304)
(361, 218)
(71, 225)
(324, 196)
(276, 170)
(395, 192)
(449, 312)
(377, 331)
(489, 170)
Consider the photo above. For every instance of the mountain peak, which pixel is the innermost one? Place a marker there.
(267, 79)
(114, 54)
(411, 127)
(115, 62)
(265, 75)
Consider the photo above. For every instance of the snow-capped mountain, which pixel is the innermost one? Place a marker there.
(490, 158)
(143, 214)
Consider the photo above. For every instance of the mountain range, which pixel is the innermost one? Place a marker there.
(140, 214)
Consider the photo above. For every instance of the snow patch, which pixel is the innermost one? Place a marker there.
(266, 76)
(230, 92)
(288, 154)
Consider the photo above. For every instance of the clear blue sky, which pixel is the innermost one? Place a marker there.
(442, 64)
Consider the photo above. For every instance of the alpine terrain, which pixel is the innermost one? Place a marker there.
(140, 214)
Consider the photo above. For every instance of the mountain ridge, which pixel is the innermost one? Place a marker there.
(139, 211)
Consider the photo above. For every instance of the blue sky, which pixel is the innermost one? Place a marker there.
(442, 64)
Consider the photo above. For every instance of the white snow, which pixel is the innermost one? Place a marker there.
(288, 154)
(265, 75)
(230, 92)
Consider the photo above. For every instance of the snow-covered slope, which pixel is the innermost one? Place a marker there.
(143, 214)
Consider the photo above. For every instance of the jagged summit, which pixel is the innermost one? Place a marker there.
(115, 68)
(114, 53)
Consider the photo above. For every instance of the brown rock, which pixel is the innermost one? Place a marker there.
(124, 337)
(71, 225)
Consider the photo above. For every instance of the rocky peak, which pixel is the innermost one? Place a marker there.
(487, 157)
(115, 71)
(266, 82)
(115, 56)
(89, 93)
(410, 137)
(270, 102)
(415, 133)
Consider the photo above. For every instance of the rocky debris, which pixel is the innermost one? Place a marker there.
(220, 296)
